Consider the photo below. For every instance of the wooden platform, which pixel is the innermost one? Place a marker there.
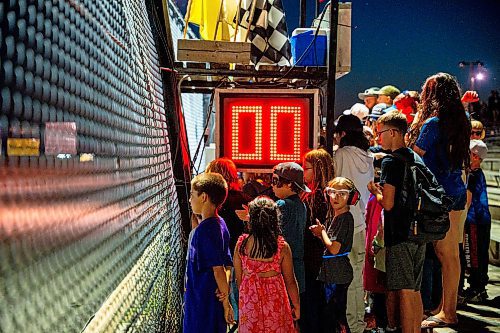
(213, 51)
(204, 77)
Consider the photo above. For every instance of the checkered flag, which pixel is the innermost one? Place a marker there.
(268, 31)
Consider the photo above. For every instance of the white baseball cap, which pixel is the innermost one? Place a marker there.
(359, 110)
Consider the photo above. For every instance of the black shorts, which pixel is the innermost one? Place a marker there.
(404, 264)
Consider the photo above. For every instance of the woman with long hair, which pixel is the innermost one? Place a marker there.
(264, 273)
(443, 143)
(318, 171)
(353, 160)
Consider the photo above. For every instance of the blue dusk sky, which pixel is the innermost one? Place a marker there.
(403, 42)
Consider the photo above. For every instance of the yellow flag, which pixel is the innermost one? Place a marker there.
(205, 13)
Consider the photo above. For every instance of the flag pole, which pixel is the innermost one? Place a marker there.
(218, 19)
(237, 21)
(188, 15)
(252, 12)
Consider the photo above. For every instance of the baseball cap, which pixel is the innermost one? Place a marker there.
(479, 148)
(378, 110)
(348, 123)
(389, 90)
(293, 172)
(373, 91)
(359, 110)
(407, 105)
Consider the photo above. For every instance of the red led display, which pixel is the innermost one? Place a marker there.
(258, 130)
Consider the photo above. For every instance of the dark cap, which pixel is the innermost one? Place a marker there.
(348, 123)
(293, 172)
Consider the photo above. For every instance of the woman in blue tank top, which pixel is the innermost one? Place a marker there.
(443, 143)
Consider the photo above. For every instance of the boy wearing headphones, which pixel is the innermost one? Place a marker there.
(336, 271)
(404, 259)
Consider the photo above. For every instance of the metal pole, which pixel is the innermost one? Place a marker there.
(176, 127)
(316, 10)
(302, 21)
(471, 76)
(332, 69)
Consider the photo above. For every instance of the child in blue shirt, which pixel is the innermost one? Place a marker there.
(477, 227)
(206, 301)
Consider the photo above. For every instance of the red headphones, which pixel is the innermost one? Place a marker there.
(354, 197)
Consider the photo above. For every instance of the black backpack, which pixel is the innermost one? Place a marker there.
(423, 195)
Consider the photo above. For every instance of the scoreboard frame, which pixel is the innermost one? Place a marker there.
(269, 103)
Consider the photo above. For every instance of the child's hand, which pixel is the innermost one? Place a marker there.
(229, 313)
(375, 246)
(243, 213)
(220, 295)
(374, 188)
(317, 229)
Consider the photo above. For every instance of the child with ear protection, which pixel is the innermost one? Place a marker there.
(336, 233)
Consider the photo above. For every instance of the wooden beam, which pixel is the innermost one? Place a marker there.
(294, 74)
(213, 51)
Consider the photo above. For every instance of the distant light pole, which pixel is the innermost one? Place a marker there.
(474, 71)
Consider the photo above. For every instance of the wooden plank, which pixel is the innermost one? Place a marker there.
(213, 45)
(294, 74)
(213, 51)
(204, 56)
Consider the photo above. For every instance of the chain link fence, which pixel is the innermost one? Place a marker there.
(90, 232)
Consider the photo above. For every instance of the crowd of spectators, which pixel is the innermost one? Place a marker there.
(330, 245)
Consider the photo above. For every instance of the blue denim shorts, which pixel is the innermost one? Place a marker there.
(459, 201)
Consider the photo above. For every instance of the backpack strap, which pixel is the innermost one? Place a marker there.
(408, 161)
(404, 158)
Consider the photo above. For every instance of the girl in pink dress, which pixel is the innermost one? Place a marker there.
(264, 274)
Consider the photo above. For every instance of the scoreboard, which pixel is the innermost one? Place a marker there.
(258, 129)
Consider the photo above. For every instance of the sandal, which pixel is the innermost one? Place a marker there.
(434, 322)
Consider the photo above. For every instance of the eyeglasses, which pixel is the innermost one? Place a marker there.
(331, 192)
(380, 132)
(477, 132)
